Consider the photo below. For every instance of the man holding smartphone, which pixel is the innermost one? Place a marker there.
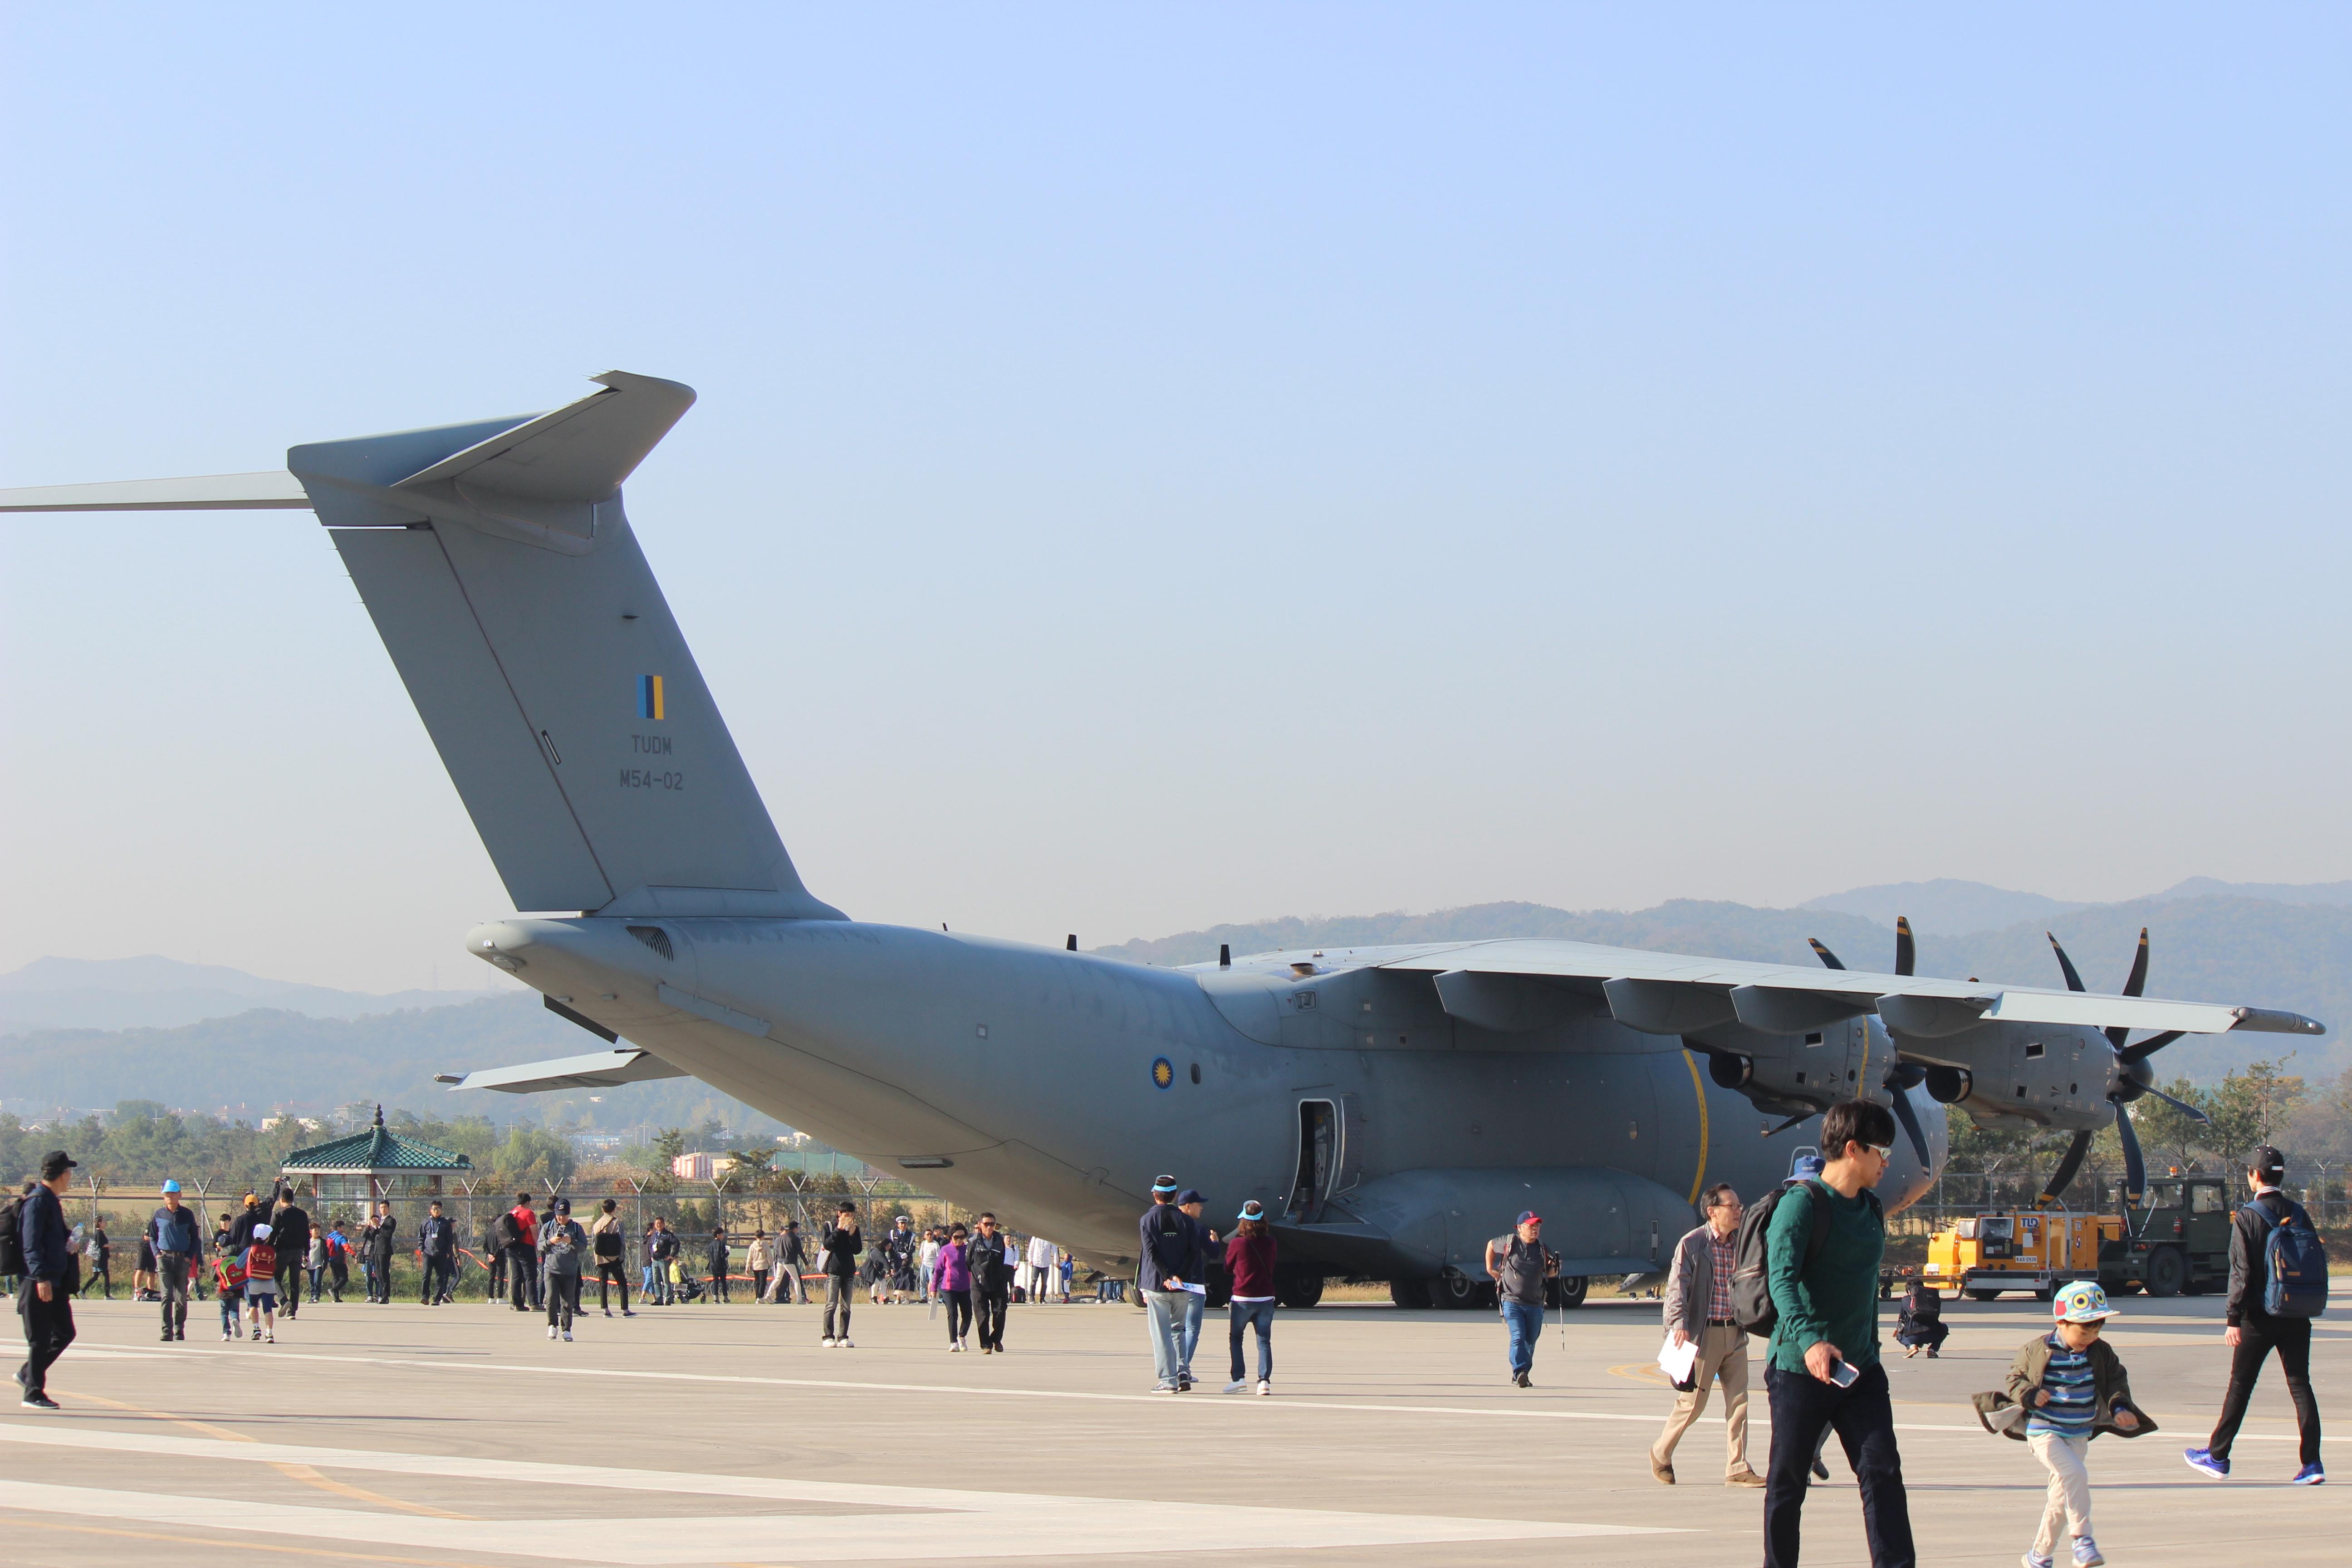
(1823, 1247)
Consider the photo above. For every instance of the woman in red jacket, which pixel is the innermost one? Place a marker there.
(1249, 1258)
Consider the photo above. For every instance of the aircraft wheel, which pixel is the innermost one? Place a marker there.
(1413, 1295)
(1299, 1291)
(1454, 1288)
(2166, 1270)
(1566, 1291)
(2045, 1295)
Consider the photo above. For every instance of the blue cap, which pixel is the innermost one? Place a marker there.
(1164, 1184)
(1252, 1210)
(1189, 1195)
(171, 1187)
(1530, 1217)
(1806, 1165)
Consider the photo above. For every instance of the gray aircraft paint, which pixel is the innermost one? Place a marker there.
(1396, 1106)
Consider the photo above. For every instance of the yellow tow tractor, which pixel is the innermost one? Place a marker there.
(2174, 1241)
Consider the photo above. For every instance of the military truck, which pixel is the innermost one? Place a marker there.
(2174, 1241)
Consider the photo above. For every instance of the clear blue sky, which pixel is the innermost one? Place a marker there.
(1161, 466)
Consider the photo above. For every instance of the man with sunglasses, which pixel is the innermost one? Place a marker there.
(1823, 1369)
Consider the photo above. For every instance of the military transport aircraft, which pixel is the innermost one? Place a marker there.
(1395, 1106)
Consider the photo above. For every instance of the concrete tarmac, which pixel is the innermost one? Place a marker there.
(461, 1435)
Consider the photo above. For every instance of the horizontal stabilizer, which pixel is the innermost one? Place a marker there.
(273, 491)
(581, 452)
(597, 1069)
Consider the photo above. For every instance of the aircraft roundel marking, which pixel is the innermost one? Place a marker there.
(1163, 1072)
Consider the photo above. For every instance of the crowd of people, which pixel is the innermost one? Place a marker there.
(1800, 1269)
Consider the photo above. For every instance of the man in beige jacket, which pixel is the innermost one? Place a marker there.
(1698, 1310)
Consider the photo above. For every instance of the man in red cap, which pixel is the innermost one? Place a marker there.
(1519, 1263)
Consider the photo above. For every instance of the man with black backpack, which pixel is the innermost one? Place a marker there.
(1822, 1243)
(2278, 1283)
(51, 1275)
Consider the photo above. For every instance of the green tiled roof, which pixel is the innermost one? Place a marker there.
(377, 1149)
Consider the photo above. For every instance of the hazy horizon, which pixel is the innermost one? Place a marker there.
(1157, 465)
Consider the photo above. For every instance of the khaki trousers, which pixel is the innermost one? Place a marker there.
(2067, 1510)
(1722, 1353)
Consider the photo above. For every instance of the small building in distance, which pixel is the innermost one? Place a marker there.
(365, 1166)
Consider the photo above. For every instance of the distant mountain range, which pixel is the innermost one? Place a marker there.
(1949, 908)
(86, 1032)
(160, 993)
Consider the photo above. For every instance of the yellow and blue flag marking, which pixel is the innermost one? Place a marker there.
(649, 697)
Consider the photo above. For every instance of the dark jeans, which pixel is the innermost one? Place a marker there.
(719, 1287)
(520, 1274)
(562, 1293)
(759, 1283)
(440, 1280)
(1525, 1321)
(290, 1287)
(1864, 1418)
(959, 1312)
(988, 1312)
(48, 1329)
(2259, 1333)
(171, 1282)
(1260, 1315)
(610, 1272)
(380, 1280)
(840, 1290)
(98, 1276)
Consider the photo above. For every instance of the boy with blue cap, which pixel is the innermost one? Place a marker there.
(2065, 1388)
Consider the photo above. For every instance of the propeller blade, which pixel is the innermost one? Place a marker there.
(1910, 1120)
(2135, 1168)
(2138, 981)
(1829, 960)
(2147, 1047)
(2065, 964)
(1907, 951)
(2133, 985)
(2183, 1107)
(2065, 1173)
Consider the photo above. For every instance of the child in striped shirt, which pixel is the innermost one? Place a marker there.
(2071, 1385)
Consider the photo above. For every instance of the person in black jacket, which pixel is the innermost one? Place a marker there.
(97, 1252)
(2252, 1333)
(991, 1283)
(841, 1245)
(380, 1232)
(171, 1231)
(715, 1260)
(46, 1301)
(436, 1239)
(240, 1227)
(289, 1233)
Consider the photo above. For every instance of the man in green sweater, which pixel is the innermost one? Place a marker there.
(1822, 1370)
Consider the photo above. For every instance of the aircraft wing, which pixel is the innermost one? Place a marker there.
(597, 1069)
(1672, 994)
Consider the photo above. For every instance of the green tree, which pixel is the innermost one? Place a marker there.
(2249, 1106)
(669, 1144)
(2169, 1137)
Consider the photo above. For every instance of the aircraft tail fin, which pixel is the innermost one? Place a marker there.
(502, 574)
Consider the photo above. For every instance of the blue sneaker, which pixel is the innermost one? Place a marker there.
(2311, 1475)
(2086, 1553)
(2035, 1560)
(2205, 1464)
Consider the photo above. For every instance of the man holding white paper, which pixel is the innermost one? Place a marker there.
(1699, 1325)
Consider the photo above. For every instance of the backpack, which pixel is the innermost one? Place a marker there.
(261, 1261)
(1751, 1288)
(2295, 1264)
(12, 1237)
(505, 1232)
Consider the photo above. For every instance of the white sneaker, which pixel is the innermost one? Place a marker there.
(271, 1340)
(826, 1343)
(843, 1345)
(551, 1330)
(1238, 1385)
(567, 1336)
(1264, 1386)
